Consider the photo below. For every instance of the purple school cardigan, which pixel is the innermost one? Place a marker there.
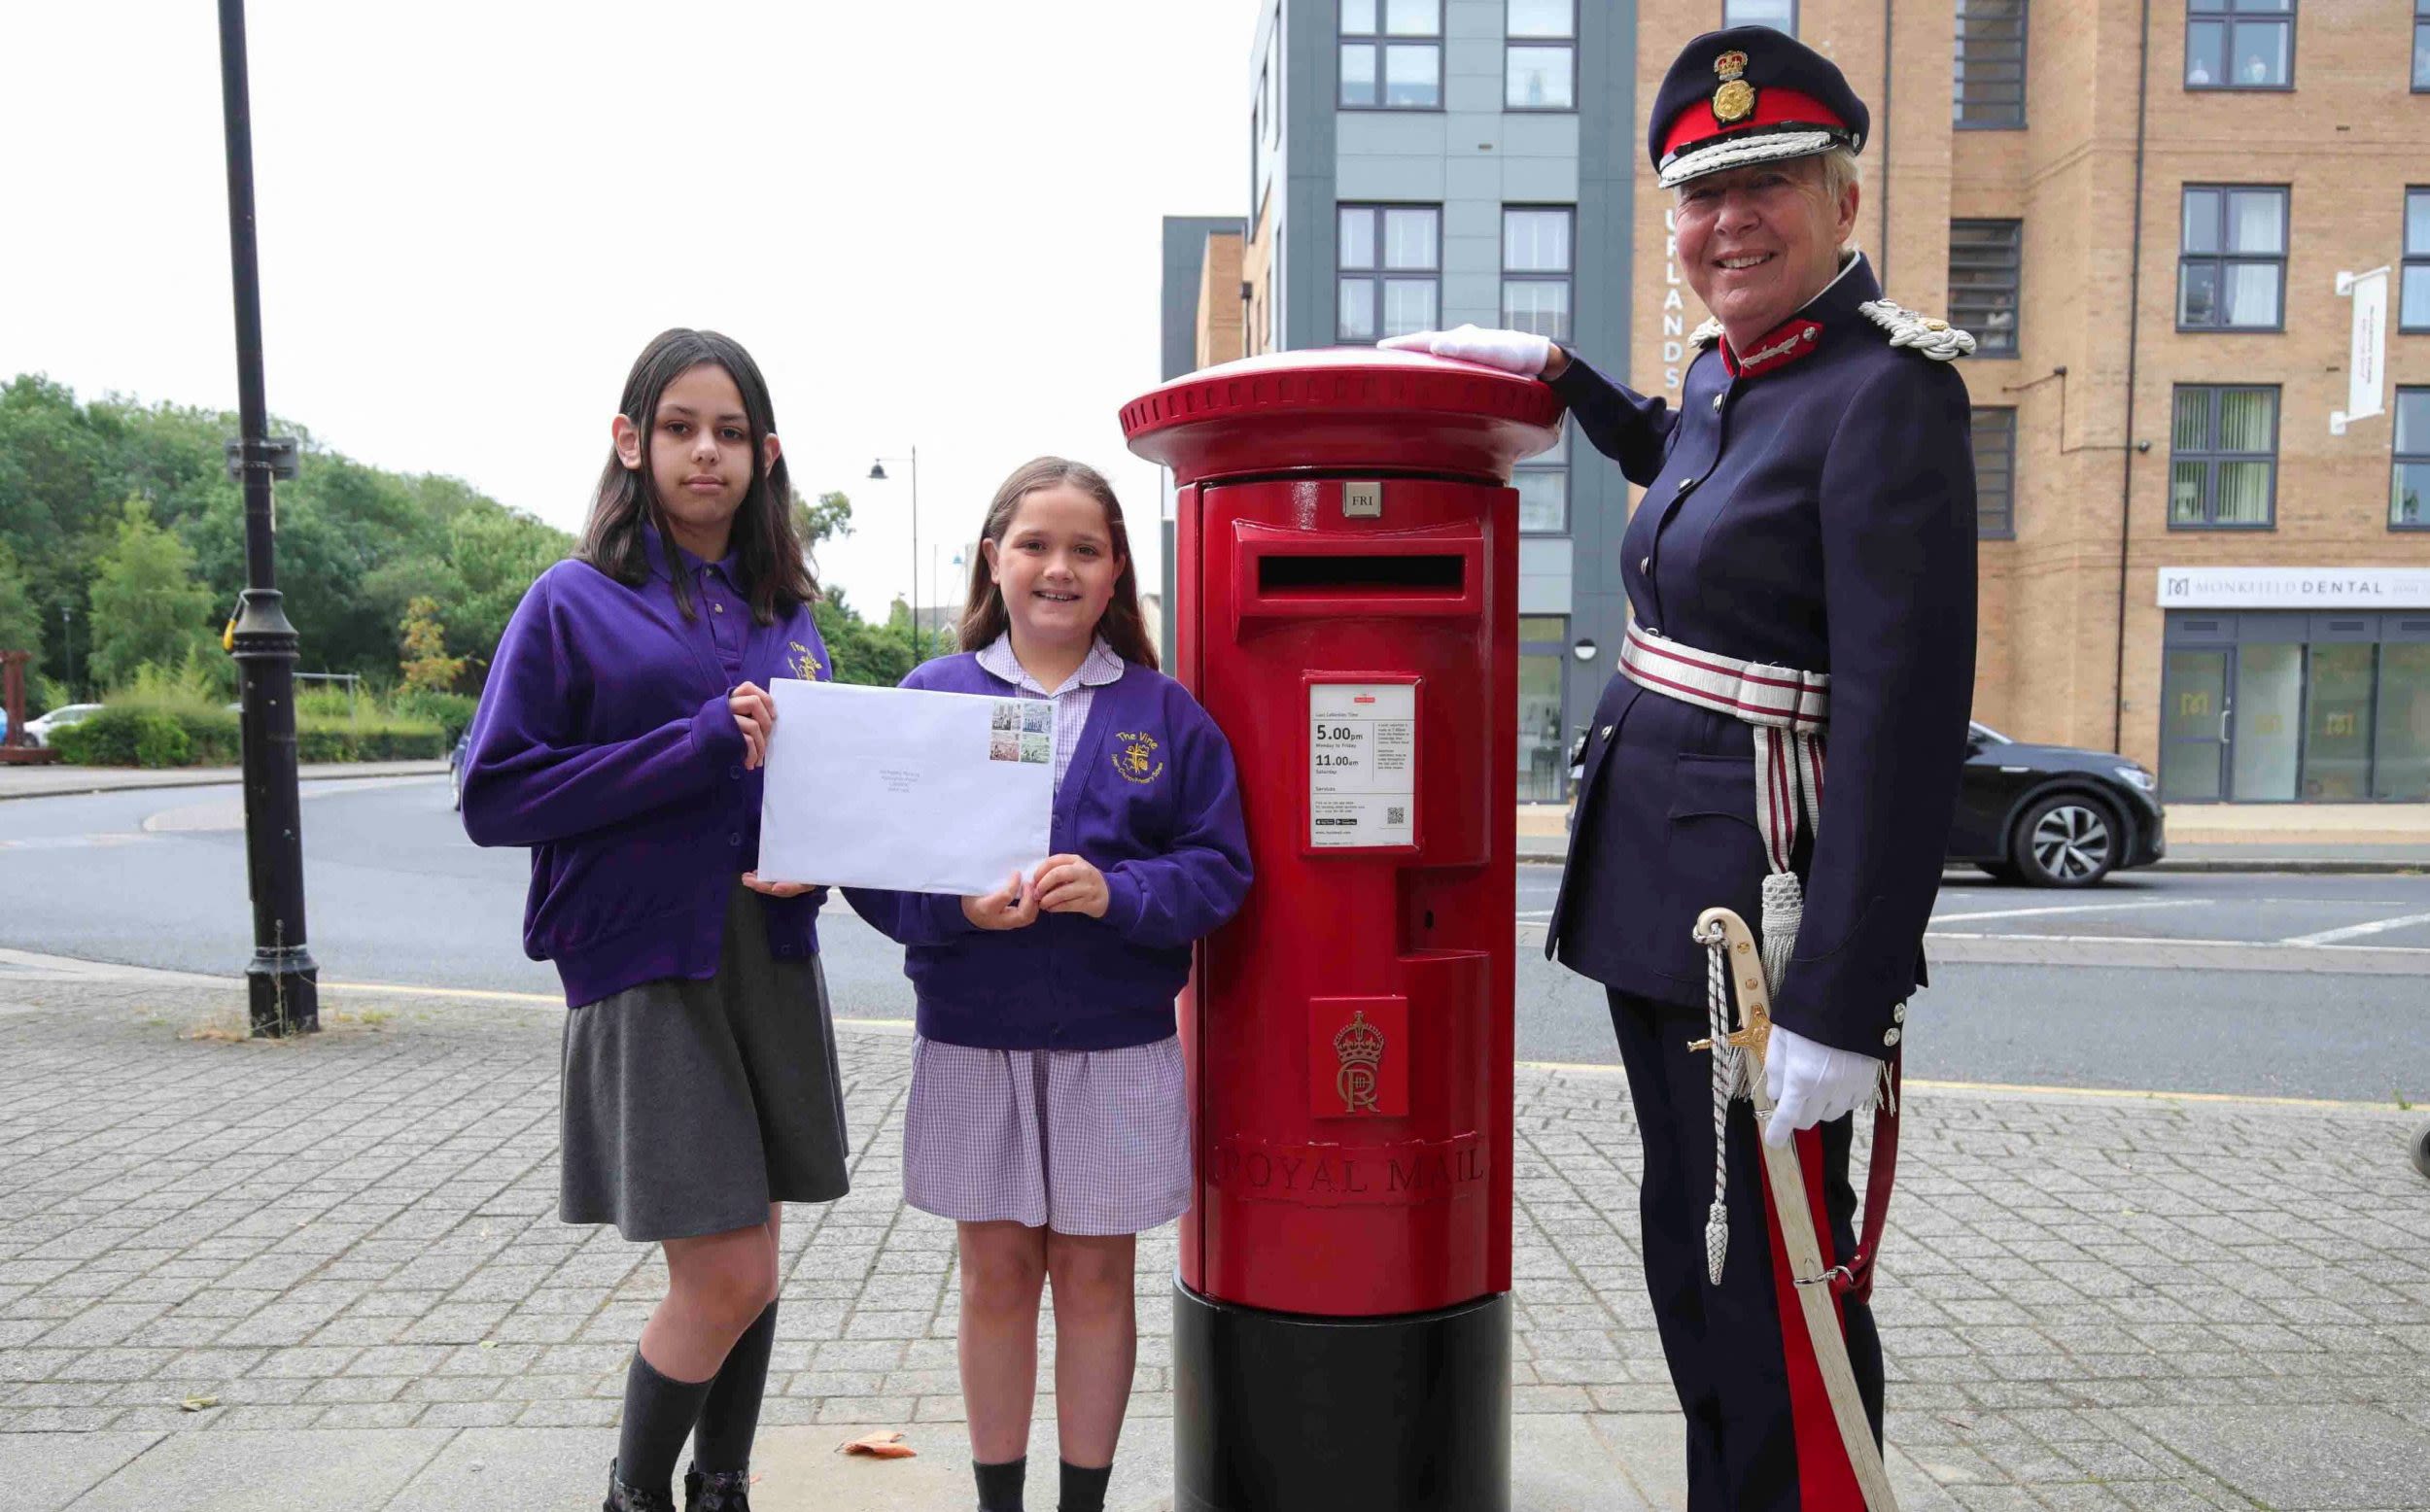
(604, 742)
(1152, 801)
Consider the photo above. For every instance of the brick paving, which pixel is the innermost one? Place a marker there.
(2085, 1302)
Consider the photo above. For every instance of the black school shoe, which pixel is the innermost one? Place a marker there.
(633, 1498)
(725, 1491)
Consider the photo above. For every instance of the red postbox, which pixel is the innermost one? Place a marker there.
(1346, 609)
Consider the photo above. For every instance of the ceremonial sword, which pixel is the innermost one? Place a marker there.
(1813, 1282)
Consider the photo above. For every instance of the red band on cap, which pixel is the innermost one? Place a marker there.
(1773, 107)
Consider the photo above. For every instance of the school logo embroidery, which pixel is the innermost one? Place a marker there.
(1137, 760)
(805, 662)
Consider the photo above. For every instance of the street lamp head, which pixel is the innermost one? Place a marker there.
(877, 470)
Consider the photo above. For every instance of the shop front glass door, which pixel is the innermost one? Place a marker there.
(2401, 768)
(2336, 724)
(2268, 724)
(1542, 777)
(2192, 725)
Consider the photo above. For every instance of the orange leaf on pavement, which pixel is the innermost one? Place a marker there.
(885, 1444)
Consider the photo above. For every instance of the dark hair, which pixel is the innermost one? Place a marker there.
(775, 576)
(984, 616)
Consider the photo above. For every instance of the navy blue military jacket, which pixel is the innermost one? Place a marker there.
(1817, 515)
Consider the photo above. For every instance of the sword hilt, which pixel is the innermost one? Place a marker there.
(1742, 1037)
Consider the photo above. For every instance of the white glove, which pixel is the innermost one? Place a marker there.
(1812, 1084)
(1519, 351)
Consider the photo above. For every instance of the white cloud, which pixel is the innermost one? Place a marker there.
(934, 226)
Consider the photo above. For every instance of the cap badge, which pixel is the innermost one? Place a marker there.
(1735, 99)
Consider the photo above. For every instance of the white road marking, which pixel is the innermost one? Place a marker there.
(2328, 937)
(71, 842)
(2072, 907)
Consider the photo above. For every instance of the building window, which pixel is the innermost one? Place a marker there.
(2231, 259)
(1779, 15)
(1543, 658)
(1392, 55)
(2421, 45)
(1543, 482)
(1539, 60)
(2240, 45)
(2413, 306)
(2409, 492)
(1990, 63)
(2223, 458)
(1536, 265)
(1995, 475)
(1538, 253)
(1391, 262)
(1983, 276)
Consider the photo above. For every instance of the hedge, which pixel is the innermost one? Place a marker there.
(370, 740)
(140, 735)
(136, 735)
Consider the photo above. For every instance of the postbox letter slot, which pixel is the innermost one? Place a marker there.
(1332, 576)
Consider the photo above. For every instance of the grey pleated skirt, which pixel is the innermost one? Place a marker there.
(691, 1106)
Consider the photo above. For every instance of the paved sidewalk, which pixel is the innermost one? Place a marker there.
(347, 1248)
(52, 781)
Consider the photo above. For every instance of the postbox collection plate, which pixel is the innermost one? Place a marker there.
(1362, 777)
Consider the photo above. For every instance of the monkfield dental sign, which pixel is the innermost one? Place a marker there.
(2294, 587)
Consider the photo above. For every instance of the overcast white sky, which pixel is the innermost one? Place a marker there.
(934, 225)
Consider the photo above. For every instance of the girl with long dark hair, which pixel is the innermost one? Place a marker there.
(620, 738)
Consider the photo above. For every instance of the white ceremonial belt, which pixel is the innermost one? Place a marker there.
(1754, 693)
(1786, 710)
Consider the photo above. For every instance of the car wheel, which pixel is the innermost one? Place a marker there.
(2421, 1150)
(454, 787)
(2069, 840)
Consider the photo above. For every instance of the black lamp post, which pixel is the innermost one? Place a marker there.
(282, 982)
(876, 471)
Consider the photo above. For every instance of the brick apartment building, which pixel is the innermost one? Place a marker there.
(2142, 208)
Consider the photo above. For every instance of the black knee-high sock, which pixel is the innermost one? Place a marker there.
(1084, 1490)
(999, 1484)
(729, 1415)
(658, 1416)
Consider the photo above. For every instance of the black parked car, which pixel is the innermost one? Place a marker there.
(2053, 815)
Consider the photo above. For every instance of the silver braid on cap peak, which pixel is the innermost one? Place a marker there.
(1768, 147)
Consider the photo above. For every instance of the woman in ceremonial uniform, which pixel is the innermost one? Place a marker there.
(1789, 718)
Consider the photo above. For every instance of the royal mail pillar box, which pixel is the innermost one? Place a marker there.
(1347, 611)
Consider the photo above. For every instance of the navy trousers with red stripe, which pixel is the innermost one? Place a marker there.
(1758, 1439)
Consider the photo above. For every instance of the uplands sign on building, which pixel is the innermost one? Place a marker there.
(2294, 587)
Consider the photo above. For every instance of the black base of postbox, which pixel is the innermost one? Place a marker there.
(1282, 1412)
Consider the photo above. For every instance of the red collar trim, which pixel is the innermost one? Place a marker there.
(1778, 347)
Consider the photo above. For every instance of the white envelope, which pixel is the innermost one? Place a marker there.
(904, 789)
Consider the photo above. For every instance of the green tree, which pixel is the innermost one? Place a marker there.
(146, 605)
(52, 466)
(496, 552)
(875, 654)
(828, 519)
(356, 544)
(20, 618)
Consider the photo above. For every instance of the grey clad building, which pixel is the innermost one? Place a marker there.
(1415, 163)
